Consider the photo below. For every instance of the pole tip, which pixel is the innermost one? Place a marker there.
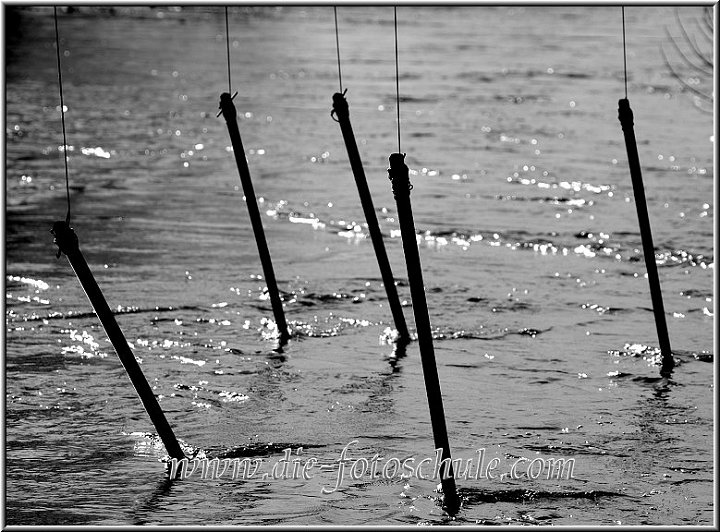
(340, 105)
(65, 237)
(625, 114)
(397, 160)
(227, 107)
(339, 97)
(399, 175)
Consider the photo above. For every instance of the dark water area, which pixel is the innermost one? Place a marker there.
(535, 280)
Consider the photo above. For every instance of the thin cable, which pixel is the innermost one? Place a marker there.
(397, 79)
(227, 42)
(624, 51)
(62, 117)
(337, 44)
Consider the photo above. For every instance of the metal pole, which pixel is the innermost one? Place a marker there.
(67, 241)
(399, 175)
(625, 115)
(230, 113)
(341, 110)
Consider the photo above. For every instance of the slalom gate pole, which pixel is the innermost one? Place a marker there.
(230, 113)
(625, 115)
(67, 242)
(341, 110)
(399, 175)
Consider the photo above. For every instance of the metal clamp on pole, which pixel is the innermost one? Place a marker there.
(401, 186)
(341, 110)
(67, 242)
(625, 115)
(228, 110)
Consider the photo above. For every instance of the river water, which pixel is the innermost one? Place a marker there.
(543, 326)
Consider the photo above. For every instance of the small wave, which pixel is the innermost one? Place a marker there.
(575, 186)
(526, 331)
(310, 298)
(636, 350)
(37, 283)
(70, 314)
(704, 356)
(553, 200)
(681, 257)
(300, 329)
(493, 334)
(445, 334)
(595, 243)
(263, 449)
(653, 354)
(153, 441)
(472, 496)
(203, 397)
(692, 292)
(569, 450)
(618, 374)
(602, 310)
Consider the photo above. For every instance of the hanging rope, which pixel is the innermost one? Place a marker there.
(227, 46)
(624, 50)
(62, 116)
(227, 42)
(337, 45)
(397, 80)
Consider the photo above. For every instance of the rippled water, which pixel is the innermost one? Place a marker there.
(544, 332)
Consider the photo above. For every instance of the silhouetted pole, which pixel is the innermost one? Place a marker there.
(399, 175)
(229, 112)
(341, 110)
(625, 115)
(67, 242)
